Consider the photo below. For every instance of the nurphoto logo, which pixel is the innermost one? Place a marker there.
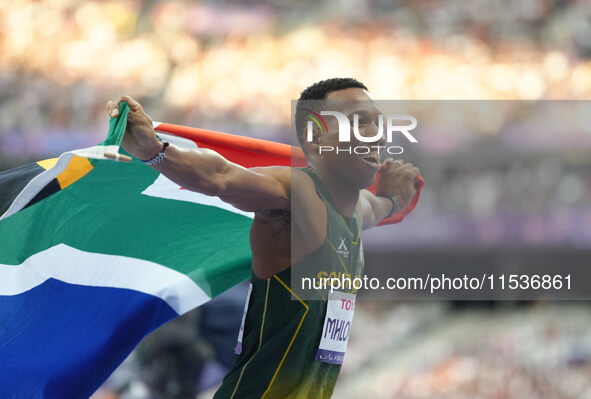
(346, 126)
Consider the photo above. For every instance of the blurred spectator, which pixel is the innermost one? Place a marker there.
(188, 355)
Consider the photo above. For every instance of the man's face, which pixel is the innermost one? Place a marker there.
(359, 169)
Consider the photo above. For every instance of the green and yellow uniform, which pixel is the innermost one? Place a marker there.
(279, 355)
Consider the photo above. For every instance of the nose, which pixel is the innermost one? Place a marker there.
(382, 139)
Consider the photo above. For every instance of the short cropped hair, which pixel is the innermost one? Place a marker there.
(316, 93)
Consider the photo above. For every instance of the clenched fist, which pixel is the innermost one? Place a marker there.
(398, 179)
(140, 139)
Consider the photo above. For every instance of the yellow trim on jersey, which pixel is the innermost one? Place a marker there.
(348, 229)
(292, 338)
(260, 340)
(330, 243)
(240, 378)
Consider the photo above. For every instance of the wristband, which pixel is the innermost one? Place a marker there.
(158, 157)
(394, 203)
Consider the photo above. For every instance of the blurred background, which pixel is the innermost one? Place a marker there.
(234, 66)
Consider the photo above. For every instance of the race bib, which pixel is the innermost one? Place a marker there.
(238, 349)
(337, 326)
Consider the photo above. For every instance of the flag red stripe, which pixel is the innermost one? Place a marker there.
(246, 151)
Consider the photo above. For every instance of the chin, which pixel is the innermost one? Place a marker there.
(353, 170)
(367, 181)
(361, 177)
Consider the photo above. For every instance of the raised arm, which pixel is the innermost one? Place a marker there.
(396, 179)
(204, 170)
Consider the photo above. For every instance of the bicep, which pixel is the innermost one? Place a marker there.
(255, 189)
(207, 172)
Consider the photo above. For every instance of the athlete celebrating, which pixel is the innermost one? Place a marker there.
(284, 350)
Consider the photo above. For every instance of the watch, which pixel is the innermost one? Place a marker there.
(395, 204)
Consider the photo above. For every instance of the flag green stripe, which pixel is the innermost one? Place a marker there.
(117, 127)
(121, 221)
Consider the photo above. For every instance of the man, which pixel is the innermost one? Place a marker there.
(282, 351)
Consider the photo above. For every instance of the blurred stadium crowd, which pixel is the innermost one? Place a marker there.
(235, 65)
(215, 63)
(508, 352)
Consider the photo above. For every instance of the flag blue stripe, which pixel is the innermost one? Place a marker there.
(45, 332)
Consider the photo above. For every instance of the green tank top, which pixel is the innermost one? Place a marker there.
(281, 355)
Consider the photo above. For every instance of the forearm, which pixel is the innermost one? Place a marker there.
(383, 207)
(200, 170)
(375, 208)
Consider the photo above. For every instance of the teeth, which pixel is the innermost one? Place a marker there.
(372, 157)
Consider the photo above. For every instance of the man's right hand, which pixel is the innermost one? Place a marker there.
(140, 139)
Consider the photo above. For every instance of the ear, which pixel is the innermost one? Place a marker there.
(316, 134)
(316, 137)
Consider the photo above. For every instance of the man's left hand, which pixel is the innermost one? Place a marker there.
(398, 179)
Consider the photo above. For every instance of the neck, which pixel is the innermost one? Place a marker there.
(344, 195)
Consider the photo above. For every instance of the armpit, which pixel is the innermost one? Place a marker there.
(279, 216)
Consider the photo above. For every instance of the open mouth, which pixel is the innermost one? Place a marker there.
(372, 158)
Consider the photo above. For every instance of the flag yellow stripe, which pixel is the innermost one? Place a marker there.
(48, 163)
(77, 168)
